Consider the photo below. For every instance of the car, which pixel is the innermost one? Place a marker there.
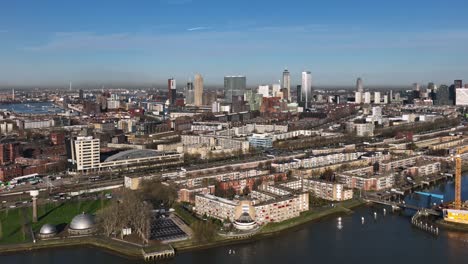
(12, 206)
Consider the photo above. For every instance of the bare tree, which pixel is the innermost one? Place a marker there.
(109, 218)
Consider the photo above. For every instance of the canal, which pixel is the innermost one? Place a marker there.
(389, 239)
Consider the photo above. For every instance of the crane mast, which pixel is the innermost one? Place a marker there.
(458, 172)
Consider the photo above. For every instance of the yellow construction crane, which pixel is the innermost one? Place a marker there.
(458, 176)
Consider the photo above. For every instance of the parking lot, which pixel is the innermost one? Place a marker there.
(163, 228)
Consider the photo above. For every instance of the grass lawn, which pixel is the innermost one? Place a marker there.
(184, 214)
(310, 215)
(12, 231)
(58, 214)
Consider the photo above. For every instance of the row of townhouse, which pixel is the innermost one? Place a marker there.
(316, 161)
(192, 181)
(213, 142)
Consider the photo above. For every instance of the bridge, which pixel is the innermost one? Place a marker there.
(402, 205)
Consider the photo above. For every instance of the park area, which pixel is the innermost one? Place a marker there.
(14, 227)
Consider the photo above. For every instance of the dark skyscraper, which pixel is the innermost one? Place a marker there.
(458, 83)
(234, 86)
(171, 91)
(81, 92)
(452, 94)
(443, 96)
(298, 93)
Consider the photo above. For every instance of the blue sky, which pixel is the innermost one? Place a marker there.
(385, 42)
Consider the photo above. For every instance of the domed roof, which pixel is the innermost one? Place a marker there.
(48, 229)
(82, 222)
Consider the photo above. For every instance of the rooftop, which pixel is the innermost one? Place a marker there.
(134, 154)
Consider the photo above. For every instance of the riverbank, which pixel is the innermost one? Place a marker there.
(273, 229)
(133, 251)
(452, 226)
(104, 243)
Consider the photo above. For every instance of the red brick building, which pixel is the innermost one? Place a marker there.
(8, 153)
(57, 138)
(10, 171)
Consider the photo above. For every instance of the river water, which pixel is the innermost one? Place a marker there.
(388, 239)
(32, 108)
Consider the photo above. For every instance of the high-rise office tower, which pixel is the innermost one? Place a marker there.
(81, 94)
(171, 91)
(452, 94)
(198, 90)
(359, 85)
(234, 86)
(458, 84)
(189, 94)
(306, 88)
(443, 96)
(430, 87)
(416, 87)
(287, 83)
(298, 93)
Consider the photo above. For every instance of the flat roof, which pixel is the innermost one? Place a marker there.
(134, 154)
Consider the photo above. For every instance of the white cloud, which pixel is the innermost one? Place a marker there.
(197, 28)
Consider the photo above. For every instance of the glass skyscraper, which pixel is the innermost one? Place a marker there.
(234, 86)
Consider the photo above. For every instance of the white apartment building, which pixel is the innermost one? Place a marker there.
(85, 153)
(35, 124)
(269, 208)
(358, 97)
(317, 161)
(264, 90)
(364, 130)
(367, 97)
(330, 191)
(377, 98)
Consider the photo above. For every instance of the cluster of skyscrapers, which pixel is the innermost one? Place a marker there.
(235, 87)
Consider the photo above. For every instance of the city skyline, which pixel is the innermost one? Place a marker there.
(53, 43)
